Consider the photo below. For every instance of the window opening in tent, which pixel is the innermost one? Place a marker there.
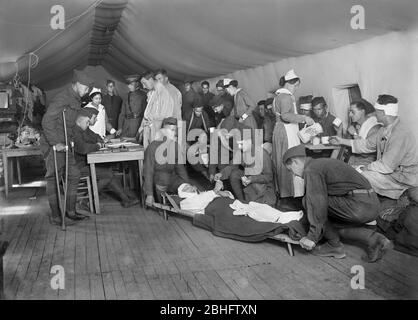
(354, 93)
(343, 97)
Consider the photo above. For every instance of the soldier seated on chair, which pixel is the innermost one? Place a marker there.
(86, 141)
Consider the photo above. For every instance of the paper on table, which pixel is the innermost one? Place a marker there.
(120, 144)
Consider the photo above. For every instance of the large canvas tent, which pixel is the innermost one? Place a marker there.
(252, 41)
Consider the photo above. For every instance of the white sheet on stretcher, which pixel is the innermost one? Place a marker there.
(264, 213)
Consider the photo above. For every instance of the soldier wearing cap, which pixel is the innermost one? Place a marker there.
(133, 107)
(163, 171)
(222, 103)
(338, 202)
(243, 104)
(68, 101)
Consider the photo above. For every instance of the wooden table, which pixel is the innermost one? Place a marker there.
(115, 155)
(337, 151)
(8, 154)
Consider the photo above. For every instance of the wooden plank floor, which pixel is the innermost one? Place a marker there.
(135, 254)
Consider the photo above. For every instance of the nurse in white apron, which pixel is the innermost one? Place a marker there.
(102, 124)
(285, 134)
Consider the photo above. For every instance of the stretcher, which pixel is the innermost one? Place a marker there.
(170, 205)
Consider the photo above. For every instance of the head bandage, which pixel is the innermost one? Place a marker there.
(306, 106)
(390, 109)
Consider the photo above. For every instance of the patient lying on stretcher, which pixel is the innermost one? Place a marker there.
(196, 202)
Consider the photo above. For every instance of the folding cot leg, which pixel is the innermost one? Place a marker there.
(165, 211)
(290, 249)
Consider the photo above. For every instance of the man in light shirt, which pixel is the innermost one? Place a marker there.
(162, 77)
(160, 105)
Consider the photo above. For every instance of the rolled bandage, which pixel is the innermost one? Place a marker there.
(112, 131)
(390, 109)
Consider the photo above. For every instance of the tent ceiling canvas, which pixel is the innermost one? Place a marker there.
(190, 38)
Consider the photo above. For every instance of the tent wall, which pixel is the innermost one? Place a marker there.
(384, 64)
(99, 75)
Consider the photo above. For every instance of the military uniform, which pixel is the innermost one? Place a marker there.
(113, 105)
(227, 101)
(132, 113)
(327, 124)
(67, 101)
(261, 189)
(188, 99)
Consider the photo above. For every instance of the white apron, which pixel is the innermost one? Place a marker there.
(100, 126)
(293, 140)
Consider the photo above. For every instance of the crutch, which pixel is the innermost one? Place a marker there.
(66, 170)
(58, 189)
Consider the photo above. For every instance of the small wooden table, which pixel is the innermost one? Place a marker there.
(337, 151)
(114, 155)
(8, 154)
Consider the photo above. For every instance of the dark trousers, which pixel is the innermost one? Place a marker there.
(257, 192)
(51, 186)
(347, 216)
(236, 183)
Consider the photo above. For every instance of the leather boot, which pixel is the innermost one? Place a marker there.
(74, 216)
(327, 250)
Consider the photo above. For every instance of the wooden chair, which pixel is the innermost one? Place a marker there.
(84, 191)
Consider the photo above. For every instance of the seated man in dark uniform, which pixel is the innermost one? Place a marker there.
(86, 141)
(331, 125)
(197, 119)
(268, 118)
(222, 103)
(339, 202)
(164, 167)
(252, 180)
